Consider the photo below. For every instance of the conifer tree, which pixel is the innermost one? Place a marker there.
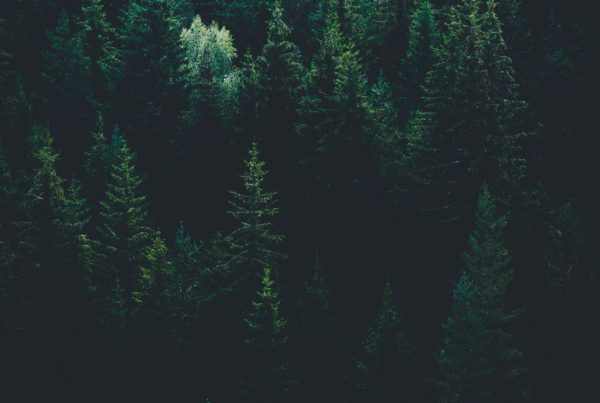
(268, 376)
(478, 361)
(211, 80)
(472, 123)
(67, 75)
(98, 36)
(318, 339)
(149, 86)
(388, 355)
(130, 252)
(53, 250)
(279, 76)
(253, 243)
(378, 29)
(423, 38)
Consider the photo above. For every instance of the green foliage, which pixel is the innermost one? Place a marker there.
(472, 124)
(279, 70)
(423, 39)
(98, 36)
(253, 243)
(269, 376)
(67, 72)
(478, 361)
(388, 354)
(212, 82)
(378, 29)
(148, 89)
(130, 252)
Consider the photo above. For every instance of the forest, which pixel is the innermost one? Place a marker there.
(299, 201)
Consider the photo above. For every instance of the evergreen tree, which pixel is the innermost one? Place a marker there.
(149, 86)
(279, 76)
(472, 124)
(478, 361)
(253, 243)
(378, 29)
(423, 38)
(268, 376)
(212, 84)
(318, 340)
(388, 355)
(67, 74)
(130, 252)
(98, 36)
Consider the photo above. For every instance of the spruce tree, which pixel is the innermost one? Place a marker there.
(130, 252)
(318, 340)
(268, 377)
(378, 29)
(387, 357)
(279, 76)
(478, 361)
(98, 36)
(68, 92)
(253, 243)
(149, 94)
(472, 123)
(423, 38)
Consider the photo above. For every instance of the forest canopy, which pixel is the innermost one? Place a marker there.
(299, 201)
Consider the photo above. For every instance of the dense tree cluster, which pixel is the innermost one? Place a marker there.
(305, 154)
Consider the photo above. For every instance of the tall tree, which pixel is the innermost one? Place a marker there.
(149, 86)
(279, 74)
(130, 253)
(478, 361)
(379, 31)
(472, 124)
(388, 356)
(248, 20)
(423, 38)
(98, 36)
(268, 376)
(253, 243)
(67, 75)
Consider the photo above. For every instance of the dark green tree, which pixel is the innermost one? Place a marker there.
(253, 243)
(388, 356)
(379, 30)
(478, 361)
(472, 124)
(67, 74)
(268, 376)
(98, 37)
(130, 253)
(149, 95)
(248, 21)
(423, 38)
(318, 340)
(279, 75)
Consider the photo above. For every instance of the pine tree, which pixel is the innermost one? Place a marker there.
(318, 340)
(98, 36)
(478, 361)
(378, 29)
(279, 76)
(130, 252)
(67, 75)
(268, 376)
(212, 83)
(149, 94)
(423, 38)
(253, 243)
(388, 355)
(472, 124)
